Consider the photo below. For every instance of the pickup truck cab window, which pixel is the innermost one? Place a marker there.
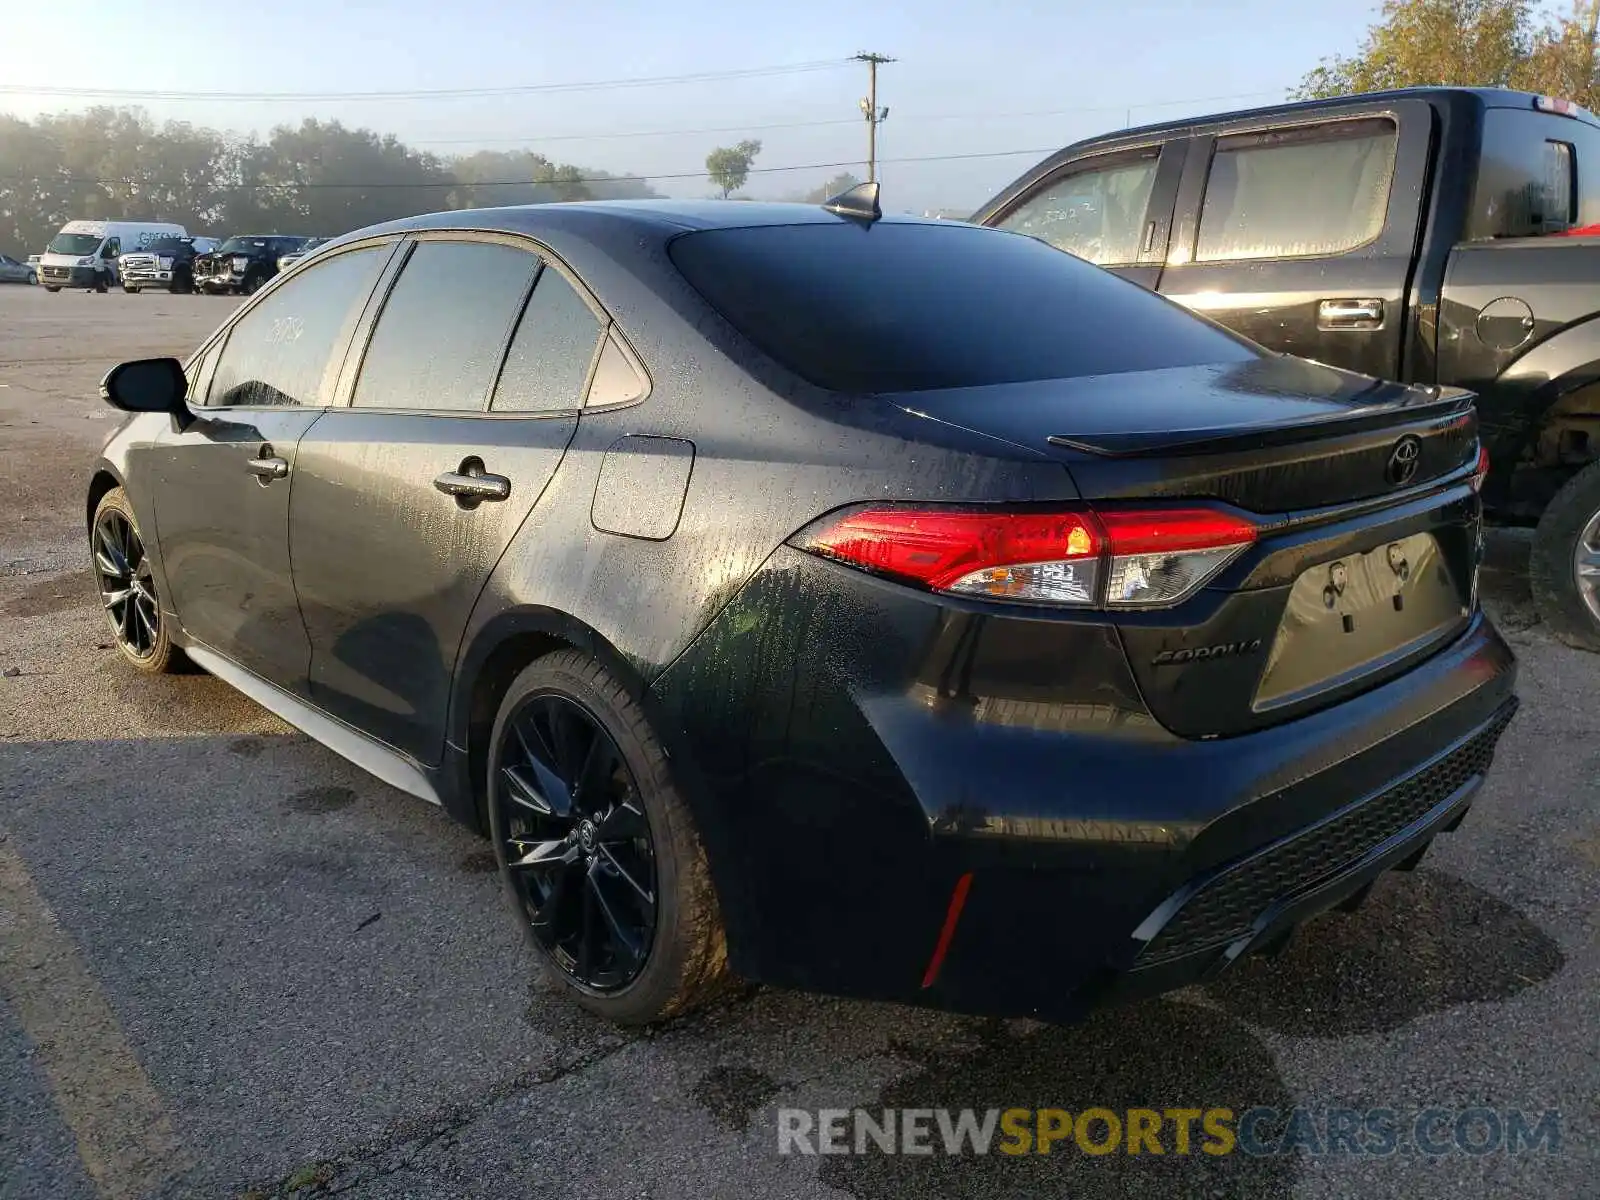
(1096, 212)
(1532, 171)
(1310, 191)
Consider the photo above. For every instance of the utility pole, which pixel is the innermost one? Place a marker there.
(869, 108)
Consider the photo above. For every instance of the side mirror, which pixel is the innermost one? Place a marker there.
(147, 385)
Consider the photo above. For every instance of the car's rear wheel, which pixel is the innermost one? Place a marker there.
(127, 587)
(598, 851)
(1564, 568)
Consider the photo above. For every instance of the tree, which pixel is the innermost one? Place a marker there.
(1478, 43)
(729, 166)
(1471, 42)
(318, 177)
(842, 182)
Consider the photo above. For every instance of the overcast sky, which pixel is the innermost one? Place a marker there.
(974, 77)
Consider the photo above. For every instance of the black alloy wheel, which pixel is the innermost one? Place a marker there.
(577, 842)
(600, 857)
(127, 587)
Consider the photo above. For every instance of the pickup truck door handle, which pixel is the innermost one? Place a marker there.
(1350, 314)
(473, 487)
(267, 466)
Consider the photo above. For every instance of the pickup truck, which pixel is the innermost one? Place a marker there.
(1438, 236)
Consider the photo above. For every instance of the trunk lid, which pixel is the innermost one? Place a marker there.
(1366, 561)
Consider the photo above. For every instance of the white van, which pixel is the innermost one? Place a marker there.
(84, 254)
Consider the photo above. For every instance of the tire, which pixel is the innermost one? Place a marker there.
(684, 958)
(48, 288)
(1568, 530)
(139, 628)
(182, 285)
(253, 284)
(100, 286)
(132, 291)
(33, 280)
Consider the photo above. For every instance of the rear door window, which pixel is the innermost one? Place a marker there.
(1534, 175)
(908, 306)
(1096, 212)
(439, 340)
(1306, 192)
(278, 353)
(548, 362)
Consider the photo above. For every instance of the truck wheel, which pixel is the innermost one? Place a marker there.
(253, 284)
(1564, 568)
(132, 291)
(48, 288)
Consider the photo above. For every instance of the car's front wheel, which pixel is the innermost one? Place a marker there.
(127, 587)
(1564, 568)
(598, 852)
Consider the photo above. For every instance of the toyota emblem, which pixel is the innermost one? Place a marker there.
(1404, 460)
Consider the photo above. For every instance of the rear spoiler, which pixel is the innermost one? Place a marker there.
(1435, 403)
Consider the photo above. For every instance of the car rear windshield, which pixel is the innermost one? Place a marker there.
(892, 307)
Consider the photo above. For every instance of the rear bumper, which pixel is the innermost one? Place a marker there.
(849, 773)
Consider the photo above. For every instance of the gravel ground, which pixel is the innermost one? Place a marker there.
(231, 964)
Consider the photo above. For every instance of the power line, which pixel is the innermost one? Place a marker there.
(457, 183)
(913, 118)
(428, 93)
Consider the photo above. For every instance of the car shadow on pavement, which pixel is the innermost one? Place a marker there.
(1422, 943)
(1160, 1055)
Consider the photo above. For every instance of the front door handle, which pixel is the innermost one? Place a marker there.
(471, 486)
(267, 466)
(1350, 314)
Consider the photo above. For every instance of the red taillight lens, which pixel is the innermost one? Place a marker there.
(1120, 558)
(1049, 557)
(1481, 471)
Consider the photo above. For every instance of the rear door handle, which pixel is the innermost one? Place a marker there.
(267, 466)
(1350, 314)
(472, 487)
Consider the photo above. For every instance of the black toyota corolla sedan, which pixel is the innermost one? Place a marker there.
(884, 607)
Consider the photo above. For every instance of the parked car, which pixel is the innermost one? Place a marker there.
(167, 263)
(85, 253)
(819, 594)
(12, 271)
(242, 265)
(288, 260)
(1405, 234)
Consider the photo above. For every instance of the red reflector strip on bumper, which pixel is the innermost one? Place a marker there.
(958, 900)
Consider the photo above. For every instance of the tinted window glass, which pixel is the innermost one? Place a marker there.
(278, 352)
(443, 329)
(1297, 192)
(1097, 214)
(902, 307)
(1529, 177)
(549, 357)
(198, 374)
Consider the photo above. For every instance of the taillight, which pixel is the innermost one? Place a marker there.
(1118, 558)
(1481, 471)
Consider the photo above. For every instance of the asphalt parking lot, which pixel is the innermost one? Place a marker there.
(231, 964)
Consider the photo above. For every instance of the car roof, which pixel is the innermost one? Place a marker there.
(664, 217)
